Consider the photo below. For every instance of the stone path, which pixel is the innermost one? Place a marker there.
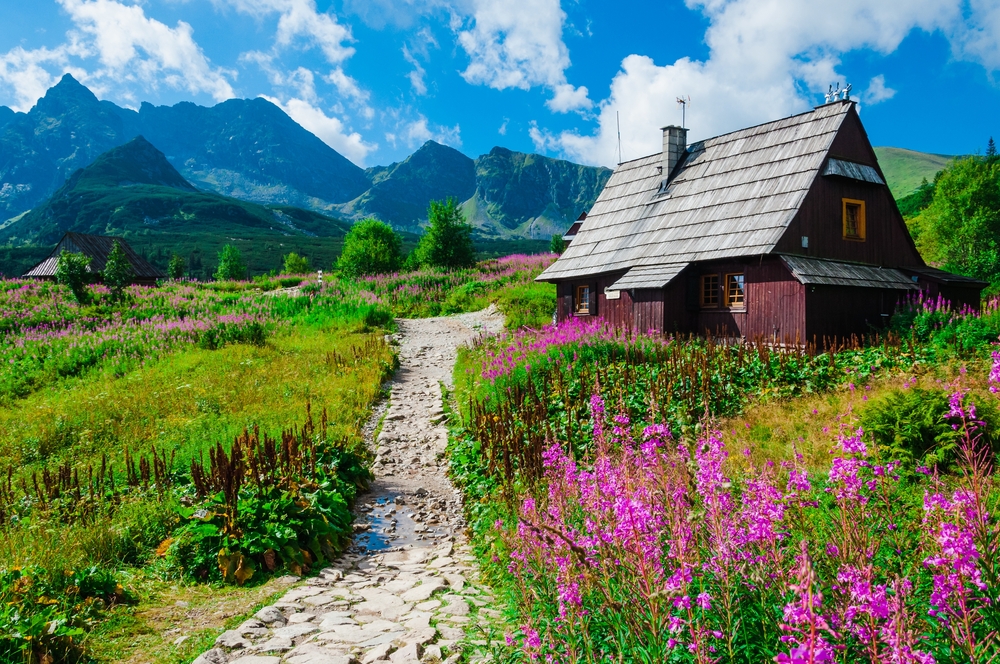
(406, 590)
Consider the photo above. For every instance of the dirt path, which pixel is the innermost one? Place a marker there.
(406, 591)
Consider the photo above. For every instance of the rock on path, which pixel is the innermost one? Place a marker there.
(406, 590)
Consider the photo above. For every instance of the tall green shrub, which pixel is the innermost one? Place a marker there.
(295, 264)
(557, 245)
(175, 269)
(118, 272)
(371, 247)
(231, 265)
(72, 271)
(448, 241)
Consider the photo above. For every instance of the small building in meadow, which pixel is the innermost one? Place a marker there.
(97, 248)
(784, 232)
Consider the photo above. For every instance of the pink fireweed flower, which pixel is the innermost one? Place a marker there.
(994, 378)
(803, 623)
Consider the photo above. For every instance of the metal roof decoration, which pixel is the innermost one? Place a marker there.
(649, 276)
(849, 169)
(815, 271)
(97, 248)
(734, 195)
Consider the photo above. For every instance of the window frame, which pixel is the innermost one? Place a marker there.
(743, 291)
(579, 310)
(704, 291)
(862, 220)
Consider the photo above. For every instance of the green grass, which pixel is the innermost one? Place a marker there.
(905, 169)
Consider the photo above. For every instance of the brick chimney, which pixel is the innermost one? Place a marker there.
(674, 146)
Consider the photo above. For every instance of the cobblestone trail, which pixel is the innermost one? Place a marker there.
(406, 590)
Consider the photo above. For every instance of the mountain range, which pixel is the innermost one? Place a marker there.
(251, 150)
(134, 191)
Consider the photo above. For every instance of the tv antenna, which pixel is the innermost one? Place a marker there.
(618, 121)
(683, 103)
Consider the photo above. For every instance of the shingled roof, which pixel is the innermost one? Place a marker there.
(97, 247)
(733, 195)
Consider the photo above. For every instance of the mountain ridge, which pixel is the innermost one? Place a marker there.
(251, 150)
(133, 191)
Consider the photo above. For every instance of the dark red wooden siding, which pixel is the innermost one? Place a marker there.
(820, 217)
(837, 311)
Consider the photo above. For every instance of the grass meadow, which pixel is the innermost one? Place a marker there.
(164, 459)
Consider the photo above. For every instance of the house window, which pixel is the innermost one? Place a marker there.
(710, 290)
(734, 291)
(583, 300)
(854, 219)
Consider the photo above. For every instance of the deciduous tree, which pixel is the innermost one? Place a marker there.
(371, 247)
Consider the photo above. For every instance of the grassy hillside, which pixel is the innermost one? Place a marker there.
(906, 169)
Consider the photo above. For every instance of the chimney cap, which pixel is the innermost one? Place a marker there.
(673, 127)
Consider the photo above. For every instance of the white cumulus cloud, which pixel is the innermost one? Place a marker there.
(329, 129)
(114, 43)
(416, 132)
(878, 91)
(767, 59)
(519, 45)
(132, 46)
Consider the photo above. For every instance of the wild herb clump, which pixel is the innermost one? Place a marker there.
(266, 504)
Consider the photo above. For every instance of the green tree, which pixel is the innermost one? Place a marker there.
(175, 269)
(231, 265)
(295, 264)
(991, 149)
(448, 241)
(72, 270)
(118, 272)
(960, 229)
(557, 245)
(371, 247)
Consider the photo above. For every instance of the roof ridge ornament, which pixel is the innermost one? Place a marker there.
(839, 93)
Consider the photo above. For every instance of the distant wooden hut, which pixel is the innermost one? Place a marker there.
(784, 231)
(97, 248)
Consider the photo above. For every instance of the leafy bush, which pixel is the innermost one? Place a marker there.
(231, 265)
(268, 504)
(175, 269)
(914, 425)
(371, 247)
(118, 272)
(44, 616)
(447, 244)
(72, 270)
(557, 245)
(295, 264)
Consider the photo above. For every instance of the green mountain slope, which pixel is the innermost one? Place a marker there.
(906, 169)
(505, 194)
(133, 191)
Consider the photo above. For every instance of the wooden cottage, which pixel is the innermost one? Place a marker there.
(97, 247)
(785, 231)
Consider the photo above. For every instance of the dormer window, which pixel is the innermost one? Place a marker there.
(854, 219)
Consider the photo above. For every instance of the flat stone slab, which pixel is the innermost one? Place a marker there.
(424, 591)
(295, 631)
(257, 659)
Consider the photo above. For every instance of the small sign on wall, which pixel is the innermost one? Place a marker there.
(612, 294)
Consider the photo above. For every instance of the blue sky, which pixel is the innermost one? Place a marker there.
(376, 78)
